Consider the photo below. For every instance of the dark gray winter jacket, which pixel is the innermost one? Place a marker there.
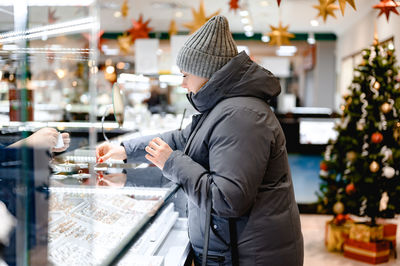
(236, 144)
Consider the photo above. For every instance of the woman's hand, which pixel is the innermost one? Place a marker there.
(158, 152)
(107, 150)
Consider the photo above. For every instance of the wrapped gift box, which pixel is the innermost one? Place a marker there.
(335, 235)
(366, 233)
(372, 252)
(389, 233)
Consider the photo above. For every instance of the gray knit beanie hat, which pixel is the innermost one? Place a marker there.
(208, 49)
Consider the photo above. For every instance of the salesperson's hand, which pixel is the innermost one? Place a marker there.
(158, 152)
(66, 140)
(107, 150)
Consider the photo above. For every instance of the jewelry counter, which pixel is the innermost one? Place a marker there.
(111, 213)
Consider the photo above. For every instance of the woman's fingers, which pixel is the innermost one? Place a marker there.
(150, 150)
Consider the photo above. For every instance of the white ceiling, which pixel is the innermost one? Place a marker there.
(296, 13)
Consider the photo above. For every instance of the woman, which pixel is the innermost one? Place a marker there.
(235, 147)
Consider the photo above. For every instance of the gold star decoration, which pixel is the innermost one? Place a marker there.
(51, 16)
(342, 4)
(173, 29)
(140, 29)
(124, 43)
(326, 8)
(387, 6)
(199, 18)
(279, 35)
(124, 8)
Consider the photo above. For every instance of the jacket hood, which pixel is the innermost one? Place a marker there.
(239, 77)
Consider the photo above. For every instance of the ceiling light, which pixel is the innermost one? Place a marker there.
(178, 14)
(311, 38)
(117, 14)
(248, 28)
(249, 33)
(245, 20)
(286, 50)
(244, 13)
(265, 38)
(50, 2)
(78, 25)
(314, 23)
(264, 3)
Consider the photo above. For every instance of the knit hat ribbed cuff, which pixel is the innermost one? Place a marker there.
(200, 64)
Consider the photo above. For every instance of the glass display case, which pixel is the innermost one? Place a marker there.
(97, 212)
(68, 209)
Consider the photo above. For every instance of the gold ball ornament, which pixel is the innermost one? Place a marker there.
(377, 85)
(374, 167)
(338, 207)
(351, 156)
(386, 107)
(320, 208)
(325, 200)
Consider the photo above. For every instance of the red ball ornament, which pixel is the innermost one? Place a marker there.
(377, 137)
(350, 189)
(339, 219)
(323, 166)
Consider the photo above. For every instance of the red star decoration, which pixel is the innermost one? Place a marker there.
(279, 2)
(234, 5)
(140, 29)
(100, 41)
(387, 6)
(51, 16)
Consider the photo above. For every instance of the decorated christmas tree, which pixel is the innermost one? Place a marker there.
(360, 169)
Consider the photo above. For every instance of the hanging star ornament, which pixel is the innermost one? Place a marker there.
(124, 43)
(140, 29)
(326, 8)
(279, 35)
(173, 29)
(234, 5)
(51, 16)
(342, 4)
(387, 6)
(100, 40)
(199, 18)
(124, 8)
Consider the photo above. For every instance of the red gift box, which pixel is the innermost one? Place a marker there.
(389, 233)
(370, 252)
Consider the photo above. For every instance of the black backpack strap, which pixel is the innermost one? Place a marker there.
(207, 226)
(233, 242)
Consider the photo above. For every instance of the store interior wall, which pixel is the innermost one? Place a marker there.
(360, 36)
(321, 82)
